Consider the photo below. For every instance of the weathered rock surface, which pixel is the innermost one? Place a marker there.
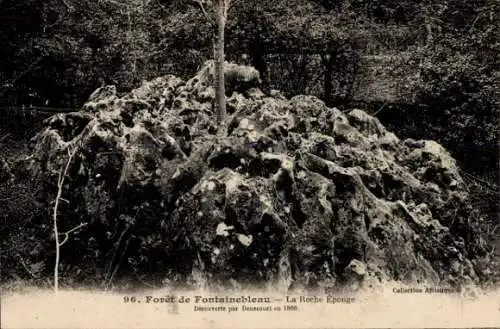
(296, 192)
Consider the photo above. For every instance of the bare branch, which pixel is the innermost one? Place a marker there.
(117, 267)
(4, 137)
(60, 183)
(210, 19)
(76, 228)
(27, 268)
(64, 241)
(66, 234)
(108, 275)
(380, 109)
(67, 5)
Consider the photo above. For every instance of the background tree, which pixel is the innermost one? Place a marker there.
(218, 22)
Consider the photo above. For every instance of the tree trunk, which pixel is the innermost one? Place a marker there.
(328, 61)
(259, 62)
(305, 73)
(219, 63)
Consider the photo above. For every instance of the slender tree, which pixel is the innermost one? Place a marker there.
(219, 59)
(218, 22)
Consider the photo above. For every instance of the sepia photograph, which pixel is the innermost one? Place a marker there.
(231, 161)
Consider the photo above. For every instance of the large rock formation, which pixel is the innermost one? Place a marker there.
(296, 192)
